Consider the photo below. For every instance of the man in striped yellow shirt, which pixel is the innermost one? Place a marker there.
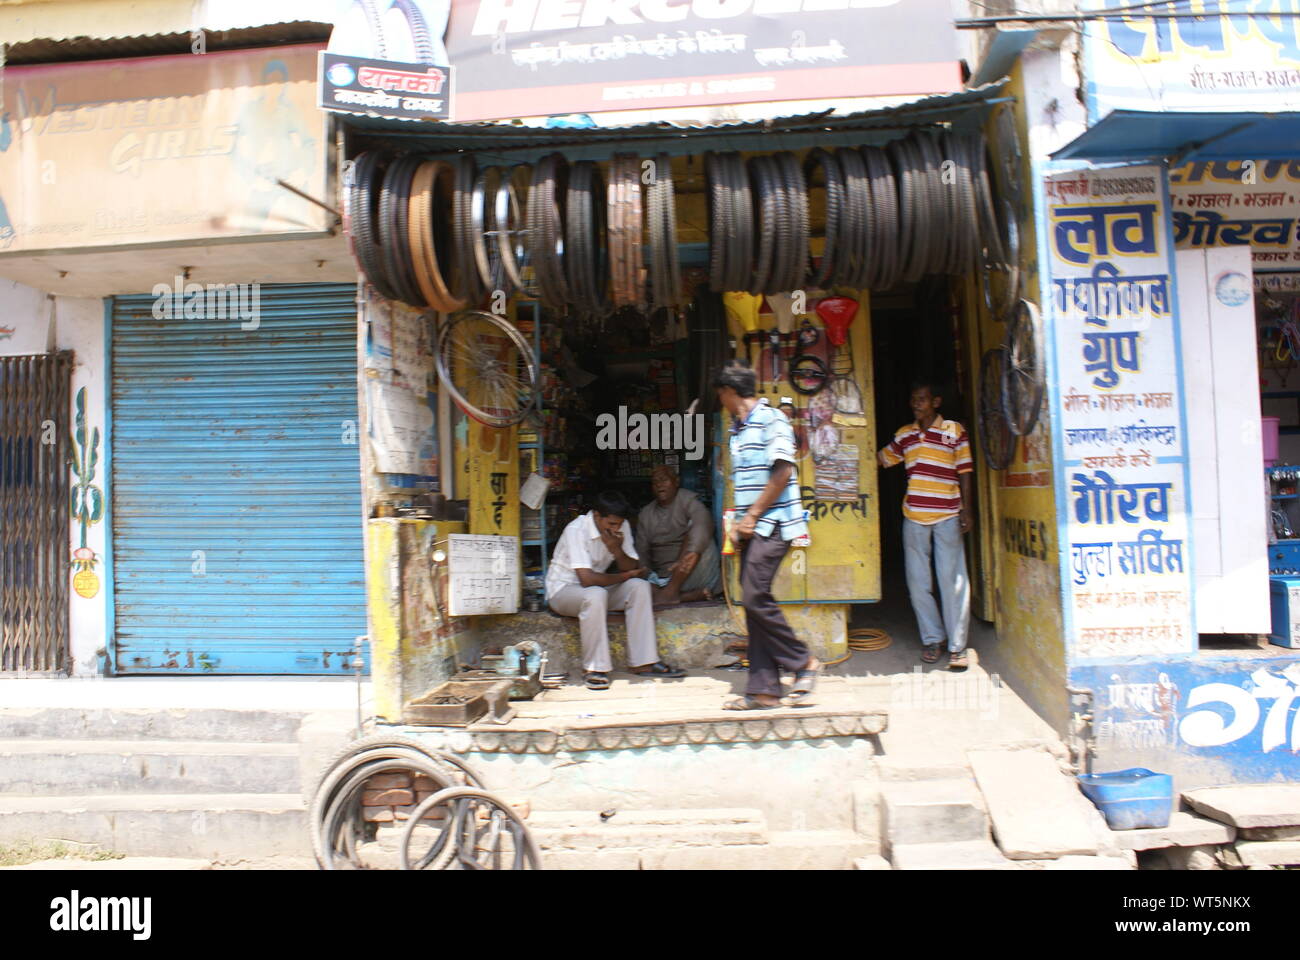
(936, 455)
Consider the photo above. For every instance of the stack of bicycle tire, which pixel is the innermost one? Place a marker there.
(441, 234)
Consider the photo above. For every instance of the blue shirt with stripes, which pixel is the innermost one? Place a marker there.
(757, 443)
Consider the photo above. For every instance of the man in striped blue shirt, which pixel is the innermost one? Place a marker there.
(769, 514)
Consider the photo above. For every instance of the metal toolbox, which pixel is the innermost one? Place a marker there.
(458, 703)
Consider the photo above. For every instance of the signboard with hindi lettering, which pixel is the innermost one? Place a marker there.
(502, 59)
(483, 574)
(1253, 203)
(1247, 58)
(1126, 560)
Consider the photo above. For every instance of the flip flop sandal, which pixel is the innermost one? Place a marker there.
(660, 671)
(805, 682)
(958, 661)
(748, 702)
(597, 681)
(931, 652)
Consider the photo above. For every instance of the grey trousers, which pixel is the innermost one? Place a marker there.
(592, 604)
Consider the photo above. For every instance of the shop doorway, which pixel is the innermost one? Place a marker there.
(34, 491)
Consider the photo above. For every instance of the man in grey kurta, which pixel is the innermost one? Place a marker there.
(674, 536)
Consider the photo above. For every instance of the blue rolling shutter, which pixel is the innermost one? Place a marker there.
(236, 489)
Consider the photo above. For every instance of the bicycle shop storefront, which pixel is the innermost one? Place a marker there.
(530, 295)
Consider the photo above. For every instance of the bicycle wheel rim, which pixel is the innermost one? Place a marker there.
(446, 371)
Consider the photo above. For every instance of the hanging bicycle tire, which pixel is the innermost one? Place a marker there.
(546, 229)
(832, 187)
(997, 442)
(1026, 374)
(510, 213)
(483, 356)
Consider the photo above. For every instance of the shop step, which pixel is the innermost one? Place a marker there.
(964, 855)
(1034, 807)
(646, 829)
(70, 767)
(931, 811)
(74, 723)
(208, 826)
(1249, 806)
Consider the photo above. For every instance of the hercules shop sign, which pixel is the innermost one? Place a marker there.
(518, 58)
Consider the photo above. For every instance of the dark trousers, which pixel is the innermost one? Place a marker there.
(772, 644)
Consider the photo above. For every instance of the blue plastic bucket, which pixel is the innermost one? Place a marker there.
(1131, 799)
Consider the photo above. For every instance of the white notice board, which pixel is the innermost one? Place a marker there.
(483, 573)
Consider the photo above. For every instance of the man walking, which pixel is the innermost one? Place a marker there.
(578, 586)
(936, 513)
(765, 489)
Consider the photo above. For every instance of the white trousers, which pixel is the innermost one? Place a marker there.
(592, 604)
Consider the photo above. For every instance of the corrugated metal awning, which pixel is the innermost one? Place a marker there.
(44, 50)
(1133, 136)
(956, 108)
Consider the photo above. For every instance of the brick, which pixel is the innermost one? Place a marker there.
(425, 784)
(387, 798)
(389, 781)
(378, 814)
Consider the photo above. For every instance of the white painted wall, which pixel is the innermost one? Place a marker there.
(79, 327)
(1220, 377)
(42, 323)
(24, 320)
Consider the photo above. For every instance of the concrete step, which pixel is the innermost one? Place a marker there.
(896, 770)
(966, 855)
(792, 850)
(1184, 830)
(1267, 853)
(1250, 806)
(1034, 807)
(72, 767)
(931, 811)
(75, 723)
(122, 863)
(210, 826)
(646, 829)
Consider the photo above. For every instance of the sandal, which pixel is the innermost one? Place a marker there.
(957, 661)
(659, 671)
(597, 681)
(805, 682)
(748, 702)
(931, 652)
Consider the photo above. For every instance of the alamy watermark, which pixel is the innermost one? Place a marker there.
(651, 431)
(187, 300)
(936, 690)
(75, 913)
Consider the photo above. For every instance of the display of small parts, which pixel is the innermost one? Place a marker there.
(443, 234)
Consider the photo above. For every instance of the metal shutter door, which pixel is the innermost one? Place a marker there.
(236, 491)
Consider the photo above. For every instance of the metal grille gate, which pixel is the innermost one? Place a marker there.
(34, 524)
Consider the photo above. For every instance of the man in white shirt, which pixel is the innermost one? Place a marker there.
(578, 586)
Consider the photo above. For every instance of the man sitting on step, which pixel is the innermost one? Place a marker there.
(577, 585)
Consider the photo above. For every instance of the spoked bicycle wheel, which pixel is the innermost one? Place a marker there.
(996, 438)
(1026, 378)
(488, 368)
(472, 830)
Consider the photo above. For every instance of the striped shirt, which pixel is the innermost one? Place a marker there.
(934, 458)
(757, 444)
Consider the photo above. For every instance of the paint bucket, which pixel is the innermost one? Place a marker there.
(1270, 429)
